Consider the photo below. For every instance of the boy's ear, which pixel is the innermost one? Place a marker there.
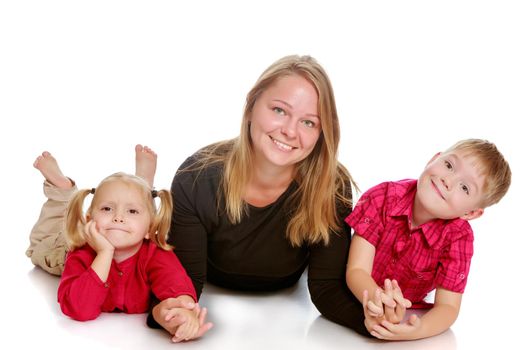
(473, 214)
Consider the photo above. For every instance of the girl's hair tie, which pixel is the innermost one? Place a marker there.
(154, 193)
(92, 191)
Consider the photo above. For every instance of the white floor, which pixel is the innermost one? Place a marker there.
(89, 80)
(278, 320)
(257, 321)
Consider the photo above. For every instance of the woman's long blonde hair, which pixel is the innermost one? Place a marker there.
(160, 218)
(322, 180)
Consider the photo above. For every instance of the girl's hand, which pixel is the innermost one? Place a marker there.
(98, 242)
(189, 328)
(167, 314)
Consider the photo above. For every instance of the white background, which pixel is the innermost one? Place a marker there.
(88, 80)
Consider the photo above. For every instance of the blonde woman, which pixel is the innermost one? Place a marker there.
(253, 212)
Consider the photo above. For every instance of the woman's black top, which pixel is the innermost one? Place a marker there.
(255, 254)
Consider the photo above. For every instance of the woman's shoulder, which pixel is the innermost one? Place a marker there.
(210, 156)
(204, 166)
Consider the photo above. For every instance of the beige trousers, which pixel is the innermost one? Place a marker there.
(48, 245)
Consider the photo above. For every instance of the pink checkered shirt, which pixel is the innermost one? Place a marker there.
(437, 253)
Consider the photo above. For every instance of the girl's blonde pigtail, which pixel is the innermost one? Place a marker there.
(75, 220)
(161, 221)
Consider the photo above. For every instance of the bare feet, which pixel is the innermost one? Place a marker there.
(48, 166)
(145, 163)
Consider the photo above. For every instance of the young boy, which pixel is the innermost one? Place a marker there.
(413, 236)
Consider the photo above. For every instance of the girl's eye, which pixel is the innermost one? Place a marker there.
(134, 211)
(309, 123)
(105, 209)
(465, 189)
(448, 165)
(278, 110)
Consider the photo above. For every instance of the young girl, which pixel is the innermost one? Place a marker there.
(118, 253)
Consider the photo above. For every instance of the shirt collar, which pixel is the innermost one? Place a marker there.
(403, 199)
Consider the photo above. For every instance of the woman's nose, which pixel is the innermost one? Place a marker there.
(289, 127)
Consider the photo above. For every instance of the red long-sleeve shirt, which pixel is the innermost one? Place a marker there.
(83, 296)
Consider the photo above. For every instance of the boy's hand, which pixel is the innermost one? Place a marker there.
(375, 306)
(402, 331)
(395, 314)
(370, 310)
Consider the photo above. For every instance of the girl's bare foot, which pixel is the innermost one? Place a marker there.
(48, 166)
(145, 163)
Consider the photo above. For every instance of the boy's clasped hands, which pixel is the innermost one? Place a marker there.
(385, 312)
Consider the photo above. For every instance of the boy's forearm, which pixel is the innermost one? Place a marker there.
(436, 321)
(359, 280)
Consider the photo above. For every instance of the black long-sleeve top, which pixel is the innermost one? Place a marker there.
(255, 254)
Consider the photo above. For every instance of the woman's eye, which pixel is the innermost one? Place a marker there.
(278, 110)
(309, 123)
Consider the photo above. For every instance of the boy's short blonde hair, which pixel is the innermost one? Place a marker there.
(492, 165)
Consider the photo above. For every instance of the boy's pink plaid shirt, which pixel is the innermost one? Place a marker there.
(435, 254)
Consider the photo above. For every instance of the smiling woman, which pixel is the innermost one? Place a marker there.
(249, 213)
(284, 125)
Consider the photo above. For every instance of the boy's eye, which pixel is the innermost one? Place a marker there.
(278, 110)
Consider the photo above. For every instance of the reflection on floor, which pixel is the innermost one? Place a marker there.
(242, 321)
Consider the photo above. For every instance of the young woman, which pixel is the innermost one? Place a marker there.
(253, 212)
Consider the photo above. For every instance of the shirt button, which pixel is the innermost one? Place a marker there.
(461, 276)
(120, 273)
(393, 261)
(106, 285)
(419, 276)
(366, 220)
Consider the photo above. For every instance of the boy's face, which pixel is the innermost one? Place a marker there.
(451, 186)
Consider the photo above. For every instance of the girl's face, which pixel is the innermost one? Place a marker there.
(285, 125)
(121, 214)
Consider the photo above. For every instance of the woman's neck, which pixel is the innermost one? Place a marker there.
(267, 184)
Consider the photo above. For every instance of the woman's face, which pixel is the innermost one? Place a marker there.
(285, 125)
